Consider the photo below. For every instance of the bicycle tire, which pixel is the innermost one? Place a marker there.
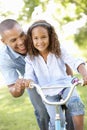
(69, 125)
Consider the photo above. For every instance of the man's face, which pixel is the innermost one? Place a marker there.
(15, 38)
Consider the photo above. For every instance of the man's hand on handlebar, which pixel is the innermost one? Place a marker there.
(17, 89)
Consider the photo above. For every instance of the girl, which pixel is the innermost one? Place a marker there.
(45, 65)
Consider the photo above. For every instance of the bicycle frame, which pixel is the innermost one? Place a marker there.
(58, 125)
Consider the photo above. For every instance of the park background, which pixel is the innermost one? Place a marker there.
(69, 17)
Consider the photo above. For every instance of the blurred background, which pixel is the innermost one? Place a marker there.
(69, 17)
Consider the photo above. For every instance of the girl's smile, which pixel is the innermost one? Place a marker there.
(40, 39)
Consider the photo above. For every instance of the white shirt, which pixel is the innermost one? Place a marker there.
(52, 72)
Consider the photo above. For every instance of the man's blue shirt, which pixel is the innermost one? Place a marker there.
(12, 64)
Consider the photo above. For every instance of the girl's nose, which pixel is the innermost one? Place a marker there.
(39, 40)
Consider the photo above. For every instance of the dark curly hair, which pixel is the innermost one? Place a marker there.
(54, 45)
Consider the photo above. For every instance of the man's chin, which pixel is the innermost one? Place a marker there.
(22, 53)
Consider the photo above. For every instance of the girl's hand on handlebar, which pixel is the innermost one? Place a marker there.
(28, 83)
(85, 80)
(19, 85)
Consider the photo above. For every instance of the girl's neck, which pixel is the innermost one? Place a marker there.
(44, 55)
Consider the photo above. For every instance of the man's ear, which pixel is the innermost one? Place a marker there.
(1, 39)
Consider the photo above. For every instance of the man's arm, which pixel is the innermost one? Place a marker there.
(17, 89)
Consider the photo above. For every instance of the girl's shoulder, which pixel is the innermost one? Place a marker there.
(28, 58)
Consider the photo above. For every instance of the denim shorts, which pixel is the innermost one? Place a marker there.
(75, 104)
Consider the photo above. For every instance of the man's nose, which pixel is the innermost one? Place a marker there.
(20, 41)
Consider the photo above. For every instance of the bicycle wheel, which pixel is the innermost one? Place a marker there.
(69, 125)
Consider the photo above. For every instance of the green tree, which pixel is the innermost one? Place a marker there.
(80, 7)
(81, 37)
(65, 12)
(29, 6)
(80, 10)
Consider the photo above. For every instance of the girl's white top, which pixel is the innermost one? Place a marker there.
(52, 72)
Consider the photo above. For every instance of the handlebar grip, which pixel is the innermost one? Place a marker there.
(31, 85)
(81, 82)
(76, 80)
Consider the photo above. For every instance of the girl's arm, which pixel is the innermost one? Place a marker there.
(83, 71)
(69, 70)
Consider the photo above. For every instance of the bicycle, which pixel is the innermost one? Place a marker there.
(60, 123)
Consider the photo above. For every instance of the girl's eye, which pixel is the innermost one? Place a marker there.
(44, 36)
(35, 38)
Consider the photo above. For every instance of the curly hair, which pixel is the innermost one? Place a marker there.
(54, 45)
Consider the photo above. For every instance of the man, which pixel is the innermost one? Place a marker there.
(12, 65)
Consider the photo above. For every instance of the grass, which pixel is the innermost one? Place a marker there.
(83, 94)
(18, 113)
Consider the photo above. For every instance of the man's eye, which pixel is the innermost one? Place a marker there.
(22, 34)
(13, 40)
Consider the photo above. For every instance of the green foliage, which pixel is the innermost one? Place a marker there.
(69, 10)
(81, 5)
(81, 37)
(64, 12)
(67, 18)
(83, 94)
(80, 8)
(5, 14)
(29, 6)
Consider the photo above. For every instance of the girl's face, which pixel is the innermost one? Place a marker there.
(40, 39)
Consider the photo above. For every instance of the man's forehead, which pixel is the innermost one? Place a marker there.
(15, 27)
(14, 30)
(10, 35)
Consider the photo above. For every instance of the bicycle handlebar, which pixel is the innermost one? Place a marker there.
(61, 102)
